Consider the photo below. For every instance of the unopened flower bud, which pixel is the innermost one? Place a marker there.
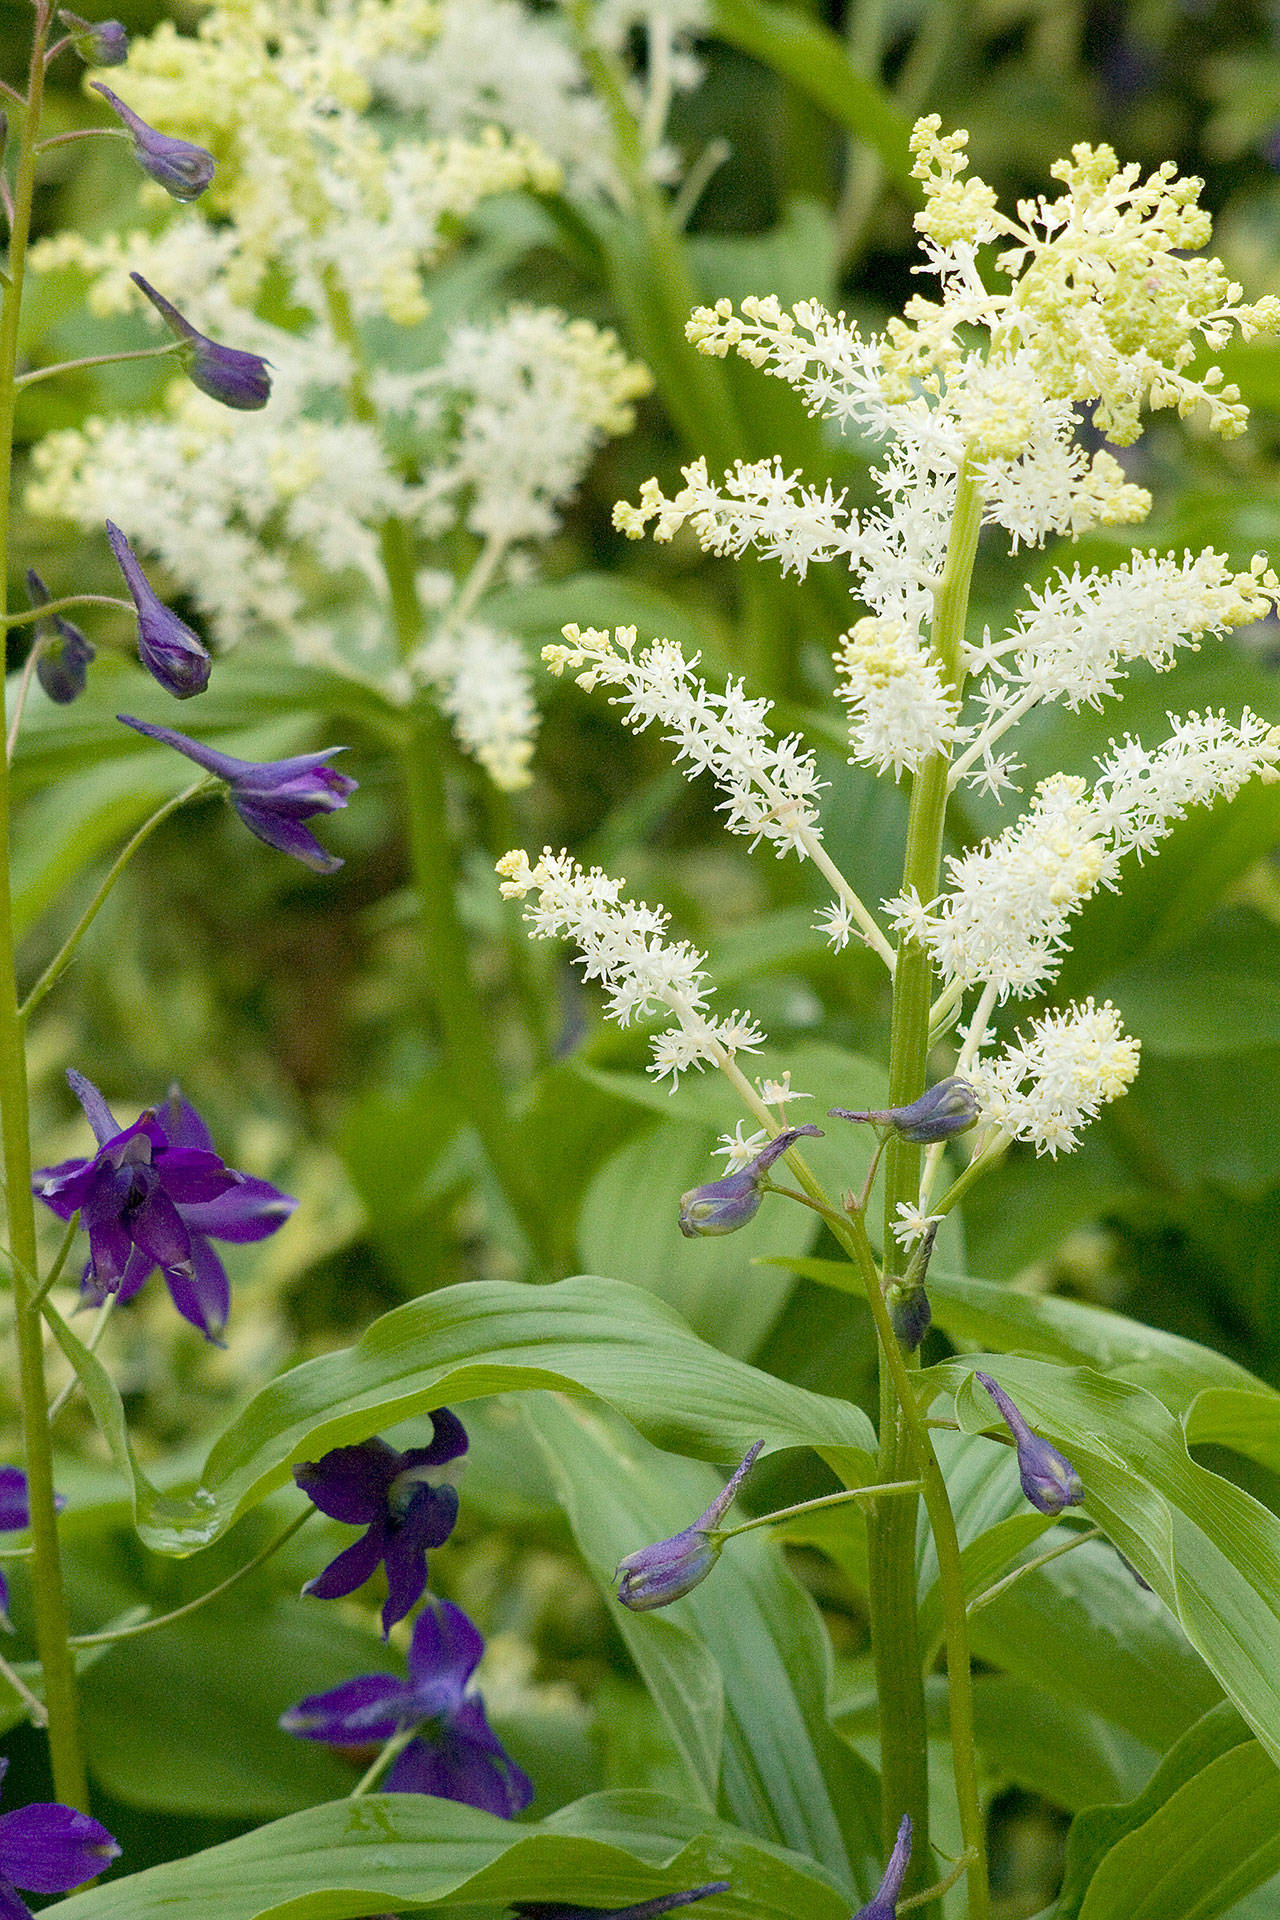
(722, 1206)
(1049, 1480)
(910, 1314)
(99, 43)
(654, 1576)
(948, 1108)
(168, 649)
(183, 169)
(62, 665)
(885, 1904)
(227, 374)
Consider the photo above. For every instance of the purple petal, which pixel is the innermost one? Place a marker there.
(191, 1177)
(223, 766)
(350, 1483)
(466, 1762)
(62, 1187)
(443, 1654)
(169, 650)
(47, 1848)
(429, 1518)
(96, 1111)
(137, 1272)
(156, 1227)
(357, 1714)
(11, 1907)
(352, 1567)
(725, 1498)
(202, 1296)
(14, 1509)
(182, 1124)
(246, 1212)
(110, 1244)
(448, 1440)
(287, 836)
(406, 1563)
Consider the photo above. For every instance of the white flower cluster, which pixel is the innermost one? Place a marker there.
(772, 785)
(622, 945)
(483, 681)
(1045, 1087)
(901, 710)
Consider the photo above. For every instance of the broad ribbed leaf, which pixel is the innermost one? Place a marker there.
(584, 1336)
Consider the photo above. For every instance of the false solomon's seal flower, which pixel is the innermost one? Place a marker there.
(654, 1576)
(394, 1497)
(885, 1904)
(1049, 1480)
(47, 1848)
(229, 375)
(183, 169)
(646, 1910)
(62, 665)
(454, 1753)
(722, 1206)
(272, 797)
(942, 1111)
(168, 649)
(15, 1516)
(154, 1195)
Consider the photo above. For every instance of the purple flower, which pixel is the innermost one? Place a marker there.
(885, 1904)
(722, 1206)
(948, 1108)
(168, 649)
(454, 1754)
(62, 669)
(653, 1576)
(236, 378)
(15, 1514)
(182, 169)
(99, 43)
(1049, 1480)
(272, 797)
(393, 1497)
(46, 1848)
(154, 1195)
(647, 1909)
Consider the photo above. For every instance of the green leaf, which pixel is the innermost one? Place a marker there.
(1220, 995)
(786, 1774)
(392, 1852)
(1210, 1551)
(583, 1335)
(814, 60)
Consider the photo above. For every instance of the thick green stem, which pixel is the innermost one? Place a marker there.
(48, 1595)
(892, 1529)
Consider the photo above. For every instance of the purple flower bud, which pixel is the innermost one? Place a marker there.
(654, 1576)
(722, 1206)
(62, 667)
(228, 374)
(885, 1904)
(181, 168)
(99, 43)
(168, 649)
(646, 1910)
(909, 1313)
(949, 1107)
(1049, 1481)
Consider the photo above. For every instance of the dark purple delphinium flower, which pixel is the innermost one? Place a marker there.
(236, 378)
(168, 649)
(885, 1904)
(647, 1909)
(154, 1195)
(61, 669)
(943, 1110)
(653, 1576)
(722, 1206)
(391, 1495)
(454, 1754)
(1049, 1480)
(183, 169)
(99, 43)
(272, 797)
(46, 1848)
(15, 1514)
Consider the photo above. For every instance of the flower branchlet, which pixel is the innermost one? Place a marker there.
(722, 1206)
(655, 1576)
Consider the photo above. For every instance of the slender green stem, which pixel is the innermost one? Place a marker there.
(993, 1592)
(82, 133)
(62, 959)
(20, 699)
(54, 1274)
(101, 1322)
(110, 1635)
(940, 1887)
(94, 360)
(36, 1712)
(48, 1594)
(394, 1747)
(813, 1506)
(24, 616)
